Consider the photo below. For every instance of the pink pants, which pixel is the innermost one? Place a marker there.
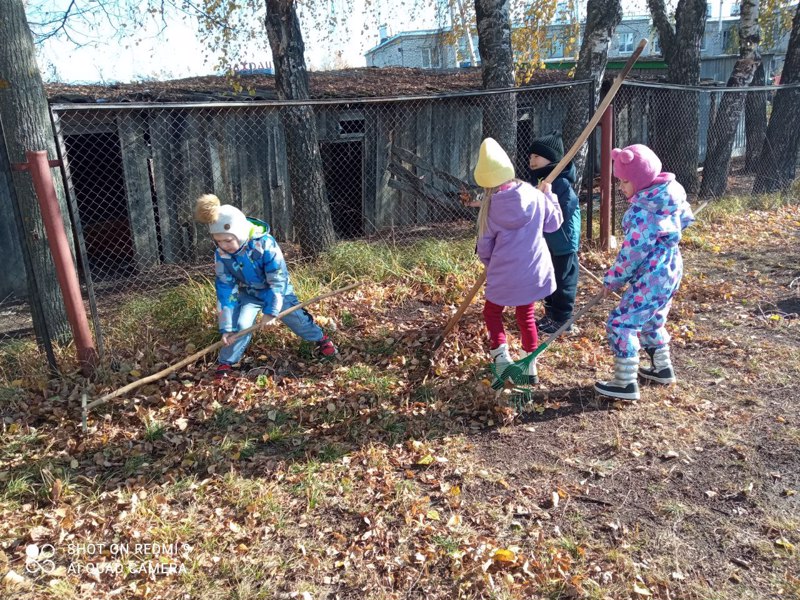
(493, 315)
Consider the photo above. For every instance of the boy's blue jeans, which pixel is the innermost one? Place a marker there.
(300, 322)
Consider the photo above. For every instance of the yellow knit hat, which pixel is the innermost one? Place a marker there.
(494, 167)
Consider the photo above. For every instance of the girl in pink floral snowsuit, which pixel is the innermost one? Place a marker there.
(650, 261)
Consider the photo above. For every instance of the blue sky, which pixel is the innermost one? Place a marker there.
(178, 52)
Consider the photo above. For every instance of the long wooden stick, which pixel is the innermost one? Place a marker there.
(596, 279)
(194, 357)
(601, 108)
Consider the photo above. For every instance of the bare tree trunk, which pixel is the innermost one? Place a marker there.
(778, 163)
(755, 120)
(677, 112)
(462, 13)
(497, 61)
(312, 215)
(23, 108)
(722, 130)
(602, 18)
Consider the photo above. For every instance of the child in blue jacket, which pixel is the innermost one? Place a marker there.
(544, 154)
(251, 277)
(650, 261)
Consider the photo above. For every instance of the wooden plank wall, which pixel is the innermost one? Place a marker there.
(135, 155)
(239, 154)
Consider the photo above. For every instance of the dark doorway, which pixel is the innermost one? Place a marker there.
(525, 136)
(344, 175)
(95, 163)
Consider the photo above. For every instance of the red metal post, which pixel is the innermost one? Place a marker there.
(39, 167)
(606, 182)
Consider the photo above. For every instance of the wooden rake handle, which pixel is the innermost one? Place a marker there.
(601, 108)
(598, 113)
(564, 326)
(194, 357)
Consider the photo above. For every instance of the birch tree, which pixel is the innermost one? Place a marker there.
(722, 129)
(497, 64)
(602, 18)
(777, 165)
(677, 112)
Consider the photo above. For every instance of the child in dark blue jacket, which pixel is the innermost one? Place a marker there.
(544, 154)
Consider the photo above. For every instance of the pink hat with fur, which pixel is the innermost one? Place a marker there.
(637, 164)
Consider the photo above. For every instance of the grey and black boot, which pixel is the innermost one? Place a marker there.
(624, 384)
(661, 370)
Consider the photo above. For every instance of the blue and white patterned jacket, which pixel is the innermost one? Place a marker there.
(649, 255)
(257, 269)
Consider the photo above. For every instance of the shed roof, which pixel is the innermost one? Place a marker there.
(367, 82)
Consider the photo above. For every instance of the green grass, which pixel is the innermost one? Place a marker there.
(717, 210)
(427, 261)
(380, 385)
(347, 319)
(17, 488)
(133, 463)
(154, 430)
(186, 312)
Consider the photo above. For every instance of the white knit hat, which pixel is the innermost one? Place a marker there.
(494, 167)
(222, 218)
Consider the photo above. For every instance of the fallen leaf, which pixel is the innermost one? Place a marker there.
(39, 533)
(785, 544)
(641, 590)
(503, 555)
(13, 578)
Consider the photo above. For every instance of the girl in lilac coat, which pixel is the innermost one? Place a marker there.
(519, 270)
(649, 260)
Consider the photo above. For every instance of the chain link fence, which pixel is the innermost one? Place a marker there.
(712, 138)
(393, 169)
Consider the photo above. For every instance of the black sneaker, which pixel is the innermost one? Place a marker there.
(549, 326)
(546, 325)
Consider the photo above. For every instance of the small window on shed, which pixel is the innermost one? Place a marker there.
(351, 127)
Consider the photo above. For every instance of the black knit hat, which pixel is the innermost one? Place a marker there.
(549, 146)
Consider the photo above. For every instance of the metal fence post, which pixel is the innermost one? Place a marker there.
(80, 241)
(606, 184)
(39, 167)
(590, 156)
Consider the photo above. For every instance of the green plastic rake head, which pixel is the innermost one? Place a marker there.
(517, 372)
